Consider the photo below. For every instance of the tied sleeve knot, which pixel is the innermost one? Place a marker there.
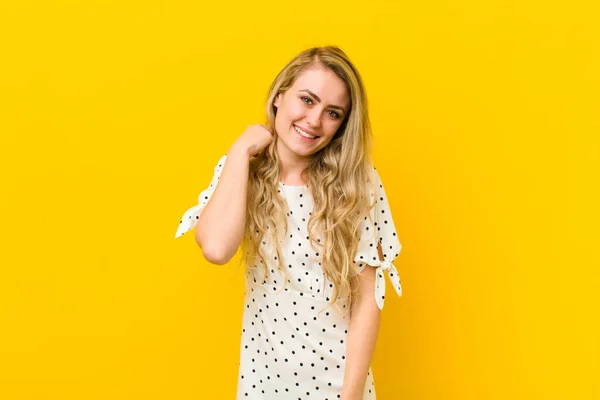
(380, 281)
(385, 266)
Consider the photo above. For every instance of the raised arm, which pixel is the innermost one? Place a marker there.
(220, 228)
(221, 224)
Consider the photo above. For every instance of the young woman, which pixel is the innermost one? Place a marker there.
(302, 199)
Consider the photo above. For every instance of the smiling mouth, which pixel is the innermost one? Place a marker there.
(304, 134)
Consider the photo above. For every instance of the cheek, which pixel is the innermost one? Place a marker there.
(294, 110)
(332, 127)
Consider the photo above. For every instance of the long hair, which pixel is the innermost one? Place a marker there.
(338, 176)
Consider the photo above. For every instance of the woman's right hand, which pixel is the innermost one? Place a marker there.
(255, 138)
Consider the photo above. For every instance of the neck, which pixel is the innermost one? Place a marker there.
(292, 165)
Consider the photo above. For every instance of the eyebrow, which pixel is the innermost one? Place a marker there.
(319, 100)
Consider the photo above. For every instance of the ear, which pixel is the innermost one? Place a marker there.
(277, 100)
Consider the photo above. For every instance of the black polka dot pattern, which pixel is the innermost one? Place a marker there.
(383, 231)
(292, 346)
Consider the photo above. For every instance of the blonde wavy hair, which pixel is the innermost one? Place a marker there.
(338, 176)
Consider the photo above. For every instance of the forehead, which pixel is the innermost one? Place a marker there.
(323, 82)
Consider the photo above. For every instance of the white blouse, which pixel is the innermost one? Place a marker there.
(288, 348)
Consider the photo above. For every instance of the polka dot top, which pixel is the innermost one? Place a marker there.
(292, 345)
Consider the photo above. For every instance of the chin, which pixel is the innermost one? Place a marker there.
(303, 152)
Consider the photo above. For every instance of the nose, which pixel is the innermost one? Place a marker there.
(313, 118)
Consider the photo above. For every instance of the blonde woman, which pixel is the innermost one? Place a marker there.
(300, 196)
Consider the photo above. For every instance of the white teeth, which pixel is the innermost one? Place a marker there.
(301, 132)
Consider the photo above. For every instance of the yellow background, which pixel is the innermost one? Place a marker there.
(114, 113)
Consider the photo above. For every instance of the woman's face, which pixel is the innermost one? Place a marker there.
(314, 106)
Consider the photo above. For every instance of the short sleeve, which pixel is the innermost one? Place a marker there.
(190, 217)
(380, 230)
